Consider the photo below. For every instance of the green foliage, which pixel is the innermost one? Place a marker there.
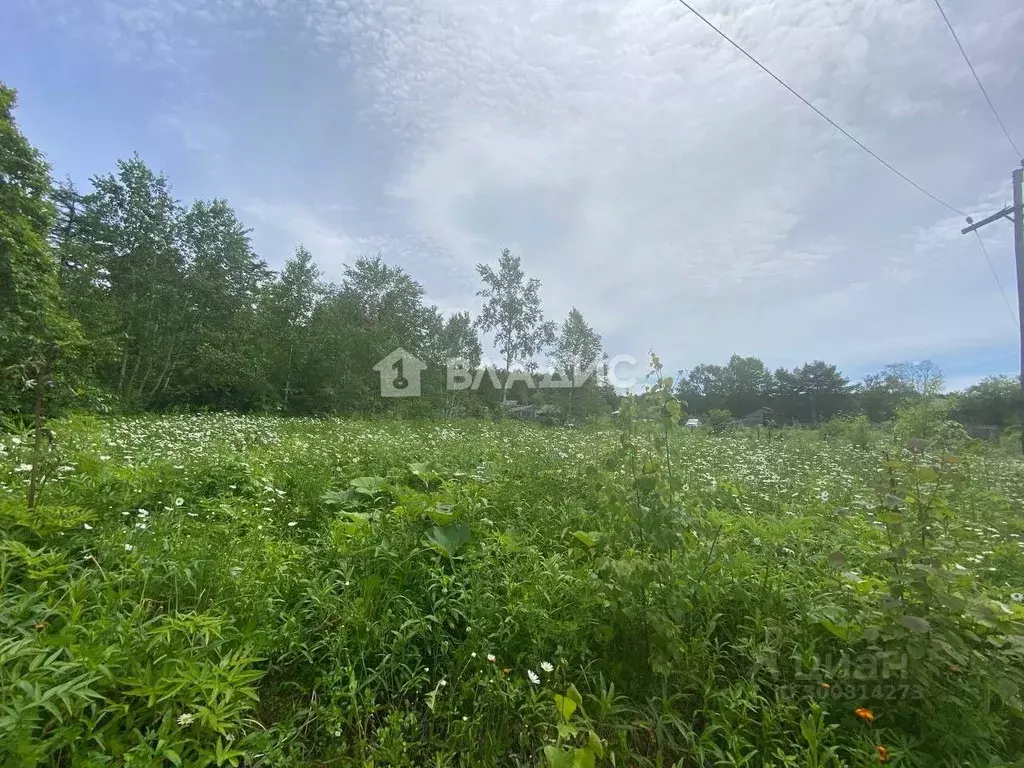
(576, 353)
(717, 418)
(37, 337)
(512, 311)
(928, 422)
(215, 590)
(994, 401)
(855, 430)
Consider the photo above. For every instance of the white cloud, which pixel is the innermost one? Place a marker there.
(651, 175)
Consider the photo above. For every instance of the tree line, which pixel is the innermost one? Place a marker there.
(121, 297)
(817, 391)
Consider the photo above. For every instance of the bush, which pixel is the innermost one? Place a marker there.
(928, 422)
(856, 430)
(717, 419)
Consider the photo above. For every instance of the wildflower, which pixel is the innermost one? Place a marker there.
(128, 547)
(883, 754)
(23, 468)
(464, 718)
(472, 655)
(865, 714)
(826, 686)
(104, 458)
(506, 670)
(186, 719)
(179, 501)
(443, 682)
(547, 667)
(337, 734)
(533, 677)
(293, 523)
(87, 526)
(491, 658)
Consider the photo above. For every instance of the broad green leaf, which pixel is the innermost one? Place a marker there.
(565, 707)
(839, 631)
(558, 757)
(837, 559)
(337, 497)
(448, 539)
(594, 743)
(567, 731)
(585, 539)
(916, 624)
(583, 758)
(441, 514)
(368, 486)
(574, 694)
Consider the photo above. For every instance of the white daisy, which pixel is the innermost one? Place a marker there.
(533, 677)
(547, 667)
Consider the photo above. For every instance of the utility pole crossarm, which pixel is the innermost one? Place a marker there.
(1015, 213)
(1006, 213)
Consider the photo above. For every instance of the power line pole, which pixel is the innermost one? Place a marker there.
(1015, 214)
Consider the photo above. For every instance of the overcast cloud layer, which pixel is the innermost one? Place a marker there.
(647, 172)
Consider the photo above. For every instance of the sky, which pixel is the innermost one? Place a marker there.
(646, 172)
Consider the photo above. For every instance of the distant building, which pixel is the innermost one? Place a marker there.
(756, 418)
(982, 432)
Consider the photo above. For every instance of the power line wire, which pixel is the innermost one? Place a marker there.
(978, 80)
(988, 258)
(818, 112)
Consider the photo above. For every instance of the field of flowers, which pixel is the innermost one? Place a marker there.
(231, 590)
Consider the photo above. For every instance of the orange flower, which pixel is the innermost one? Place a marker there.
(883, 754)
(506, 670)
(865, 714)
(826, 686)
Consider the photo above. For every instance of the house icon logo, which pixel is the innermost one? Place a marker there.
(400, 374)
